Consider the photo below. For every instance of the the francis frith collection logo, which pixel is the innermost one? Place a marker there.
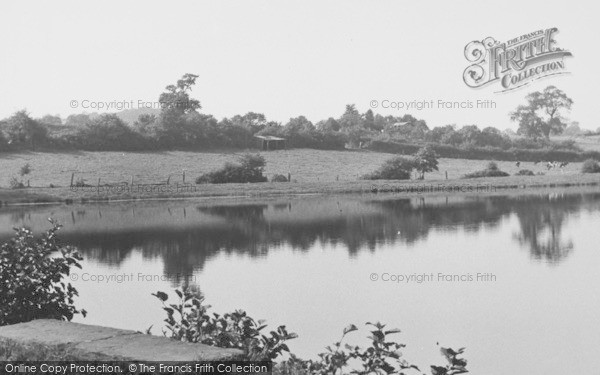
(514, 63)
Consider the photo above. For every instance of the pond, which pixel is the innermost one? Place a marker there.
(514, 279)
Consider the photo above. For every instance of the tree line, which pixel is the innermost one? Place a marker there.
(180, 125)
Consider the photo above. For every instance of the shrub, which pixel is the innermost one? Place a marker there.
(492, 166)
(188, 320)
(249, 169)
(15, 183)
(279, 178)
(525, 172)
(492, 170)
(383, 356)
(398, 168)
(32, 274)
(590, 166)
(25, 170)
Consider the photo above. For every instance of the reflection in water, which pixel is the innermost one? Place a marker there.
(541, 230)
(185, 237)
(286, 260)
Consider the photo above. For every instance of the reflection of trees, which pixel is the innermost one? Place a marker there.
(255, 229)
(541, 226)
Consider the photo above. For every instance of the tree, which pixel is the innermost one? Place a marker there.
(77, 120)
(491, 136)
(425, 161)
(253, 121)
(22, 130)
(330, 125)
(146, 124)
(51, 120)
(471, 135)
(541, 116)
(298, 125)
(175, 104)
(351, 118)
(109, 132)
(370, 120)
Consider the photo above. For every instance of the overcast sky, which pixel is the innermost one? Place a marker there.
(281, 58)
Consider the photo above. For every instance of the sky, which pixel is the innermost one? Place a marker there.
(281, 58)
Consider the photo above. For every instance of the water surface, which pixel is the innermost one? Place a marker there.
(310, 263)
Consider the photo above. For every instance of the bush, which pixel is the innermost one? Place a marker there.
(25, 170)
(492, 170)
(249, 169)
(32, 274)
(590, 166)
(492, 166)
(525, 172)
(382, 356)
(279, 178)
(188, 320)
(15, 183)
(398, 168)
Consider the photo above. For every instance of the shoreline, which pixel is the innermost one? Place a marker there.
(410, 188)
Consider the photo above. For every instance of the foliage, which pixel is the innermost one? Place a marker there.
(108, 132)
(249, 169)
(492, 170)
(188, 320)
(425, 160)
(32, 273)
(541, 116)
(398, 168)
(22, 131)
(525, 172)
(15, 183)
(590, 166)
(279, 178)
(382, 356)
(180, 125)
(25, 170)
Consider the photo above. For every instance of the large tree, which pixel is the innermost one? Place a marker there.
(23, 131)
(541, 116)
(176, 103)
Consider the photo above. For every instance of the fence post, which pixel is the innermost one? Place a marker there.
(72, 177)
(131, 180)
(184, 177)
(446, 175)
(169, 180)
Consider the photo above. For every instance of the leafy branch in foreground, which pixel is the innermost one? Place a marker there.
(188, 320)
(32, 278)
(383, 356)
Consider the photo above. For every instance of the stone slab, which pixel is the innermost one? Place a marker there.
(113, 342)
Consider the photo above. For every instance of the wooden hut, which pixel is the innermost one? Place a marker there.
(268, 142)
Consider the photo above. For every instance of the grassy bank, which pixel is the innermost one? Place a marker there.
(408, 188)
(313, 172)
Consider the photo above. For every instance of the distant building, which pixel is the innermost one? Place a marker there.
(268, 142)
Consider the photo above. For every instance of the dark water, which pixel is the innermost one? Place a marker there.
(514, 279)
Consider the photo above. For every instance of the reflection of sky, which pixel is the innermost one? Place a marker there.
(539, 313)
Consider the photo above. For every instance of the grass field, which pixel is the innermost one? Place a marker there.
(591, 143)
(312, 171)
(303, 165)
